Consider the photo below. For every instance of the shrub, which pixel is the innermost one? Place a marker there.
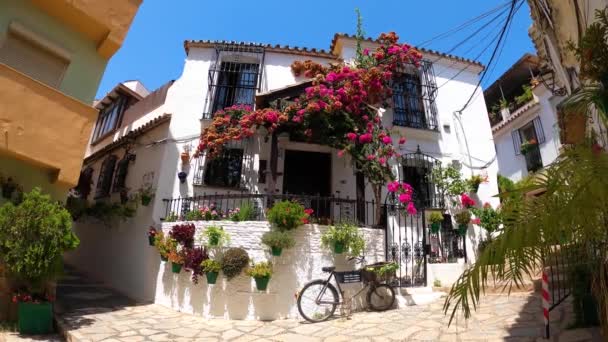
(33, 237)
(194, 215)
(183, 234)
(245, 213)
(287, 215)
(278, 239)
(260, 270)
(211, 265)
(234, 261)
(347, 234)
(216, 236)
(193, 258)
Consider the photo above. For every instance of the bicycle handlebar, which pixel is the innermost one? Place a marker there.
(359, 259)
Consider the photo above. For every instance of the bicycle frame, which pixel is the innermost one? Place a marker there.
(341, 292)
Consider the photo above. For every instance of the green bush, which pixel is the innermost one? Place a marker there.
(347, 234)
(217, 235)
(33, 237)
(286, 215)
(211, 265)
(246, 213)
(278, 239)
(260, 270)
(234, 261)
(193, 215)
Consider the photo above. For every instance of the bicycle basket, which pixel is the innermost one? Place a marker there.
(348, 277)
(369, 274)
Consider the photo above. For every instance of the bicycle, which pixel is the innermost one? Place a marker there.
(318, 299)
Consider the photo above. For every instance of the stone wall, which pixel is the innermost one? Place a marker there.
(238, 298)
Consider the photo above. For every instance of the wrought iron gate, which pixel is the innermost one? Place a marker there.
(407, 238)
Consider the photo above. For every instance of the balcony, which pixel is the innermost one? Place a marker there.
(104, 22)
(42, 126)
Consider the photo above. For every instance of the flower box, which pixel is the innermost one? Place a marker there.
(35, 318)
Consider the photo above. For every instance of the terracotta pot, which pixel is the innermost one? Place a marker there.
(185, 157)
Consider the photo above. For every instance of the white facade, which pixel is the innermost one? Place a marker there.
(511, 163)
(120, 256)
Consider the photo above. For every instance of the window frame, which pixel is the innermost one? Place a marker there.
(103, 187)
(118, 107)
(221, 170)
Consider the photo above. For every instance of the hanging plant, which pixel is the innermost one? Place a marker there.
(435, 219)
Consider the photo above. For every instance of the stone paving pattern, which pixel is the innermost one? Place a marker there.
(91, 312)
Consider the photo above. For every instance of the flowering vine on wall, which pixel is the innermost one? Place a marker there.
(340, 109)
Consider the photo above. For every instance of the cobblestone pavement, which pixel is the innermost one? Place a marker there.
(92, 313)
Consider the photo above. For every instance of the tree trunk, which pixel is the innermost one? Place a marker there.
(377, 189)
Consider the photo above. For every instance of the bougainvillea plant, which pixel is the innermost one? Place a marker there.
(341, 109)
(403, 192)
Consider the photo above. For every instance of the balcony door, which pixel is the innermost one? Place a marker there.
(308, 174)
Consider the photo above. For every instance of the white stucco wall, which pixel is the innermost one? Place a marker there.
(512, 165)
(238, 298)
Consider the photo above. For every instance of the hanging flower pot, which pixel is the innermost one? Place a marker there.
(163, 258)
(338, 247)
(151, 240)
(182, 176)
(211, 277)
(176, 268)
(35, 318)
(214, 240)
(145, 200)
(474, 187)
(462, 229)
(185, 156)
(276, 251)
(435, 226)
(261, 283)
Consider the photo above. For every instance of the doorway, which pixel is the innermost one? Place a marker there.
(308, 174)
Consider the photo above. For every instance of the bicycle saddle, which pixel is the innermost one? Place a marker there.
(328, 268)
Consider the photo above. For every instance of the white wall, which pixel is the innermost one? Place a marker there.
(238, 298)
(512, 165)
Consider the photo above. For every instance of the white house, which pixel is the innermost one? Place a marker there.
(523, 118)
(147, 139)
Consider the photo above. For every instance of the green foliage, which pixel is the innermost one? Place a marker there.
(386, 269)
(505, 184)
(278, 239)
(234, 261)
(210, 265)
(347, 234)
(437, 283)
(592, 49)
(246, 212)
(449, 181)
(490, 218)
(33, 237)
(216, 233)
(463, 217)
(571, 213)
(436, 217)
(172, 217)
(286, 215)
(193, 215)
(260, 270)
(527, 95)
(164, 244)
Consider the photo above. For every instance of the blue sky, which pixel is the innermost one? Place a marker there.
(153, 50)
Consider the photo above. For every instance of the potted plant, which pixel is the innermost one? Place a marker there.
(185, 155)
(466, 201)
(234, 261)
(216, 236)
(277, 240)
(176, 257)
(343, 237)
(436, 219)
(182, 176)
(381, 271)
(261, 273)
(36, 224)
(151, 235)
(164, 245)
(183, 234)
(211, 268)
(193, 259)
(462, 219)
(146, 195)
(527, 146)
(287, 215)
(475, 181)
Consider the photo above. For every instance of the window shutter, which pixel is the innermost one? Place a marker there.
(516, 141)
(538, 128)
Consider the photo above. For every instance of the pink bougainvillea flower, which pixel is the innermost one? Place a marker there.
(370, 157)
(340, 153)
(401, 141)
(382, 161)
(411, 209)
(309, 211)
(466, 201)
(476, 221)
(387, 140)
(366, 52)
(405, 198)
(407, 188)
(351, 136)
(365, 138)
(393, 186)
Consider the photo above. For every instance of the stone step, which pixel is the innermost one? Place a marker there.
(417, 296)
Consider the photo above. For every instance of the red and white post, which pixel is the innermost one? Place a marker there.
(545, 293)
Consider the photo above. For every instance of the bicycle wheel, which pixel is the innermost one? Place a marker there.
(308, 306)
(381, 297)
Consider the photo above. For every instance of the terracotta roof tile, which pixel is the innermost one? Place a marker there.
(268, 47)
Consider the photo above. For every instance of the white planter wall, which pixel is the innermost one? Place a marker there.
(238, 298)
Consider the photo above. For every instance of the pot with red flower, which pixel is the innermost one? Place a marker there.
(185, 155)
(176, 257)
(151, 236)
(466, 201)
(35, 313)
(462, 219)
